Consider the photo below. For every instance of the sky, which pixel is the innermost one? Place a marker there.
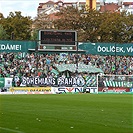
(29, 7)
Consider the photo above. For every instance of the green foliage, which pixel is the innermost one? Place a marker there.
(91, 25)
(116, 28)
(17, 24)
(1, 16)
(43, 21)
(95, 26)
(3, 34)
(34, 35)
(69, 19)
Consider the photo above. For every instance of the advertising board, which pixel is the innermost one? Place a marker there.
(74, 89)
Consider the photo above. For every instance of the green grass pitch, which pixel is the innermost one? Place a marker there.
(66, 113)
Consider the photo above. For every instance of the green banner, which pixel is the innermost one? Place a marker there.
(107, 48)
(59, 81)
(118, 84)
(16, 46)
(2, 82)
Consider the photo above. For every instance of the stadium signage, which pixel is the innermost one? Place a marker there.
(52, 81)
(57, 37)
(107, 48)
(69, 89)
(71, 81)
(114, 90)
(112, 49)
(47, 89)
(16, 46)
(37, 81)
(75, 89)
(10, 47)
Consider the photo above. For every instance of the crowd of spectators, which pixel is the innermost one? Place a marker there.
(32, 64)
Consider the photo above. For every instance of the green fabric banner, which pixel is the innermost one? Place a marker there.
(118, 84)
(107, 48)
(16, 46)
(6, 82)
(2, 82)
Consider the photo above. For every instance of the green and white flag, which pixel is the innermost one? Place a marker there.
(2, 82)
(117, 84)
(8, 82)
(5, 82)
(91, 81)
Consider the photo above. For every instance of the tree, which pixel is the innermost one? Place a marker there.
(69, 19)
(3, 34)
(1, 16)
(43, 21)
(90, 23)
(95, 26)
(116, 27)
(34, 34)
(18, 25)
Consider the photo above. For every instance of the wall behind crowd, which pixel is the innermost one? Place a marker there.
(89, 48)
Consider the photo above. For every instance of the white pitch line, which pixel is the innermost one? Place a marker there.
(11, 130)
